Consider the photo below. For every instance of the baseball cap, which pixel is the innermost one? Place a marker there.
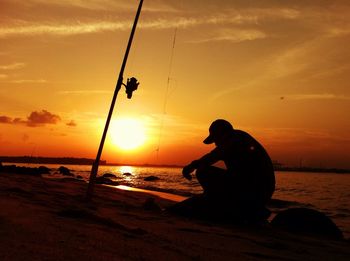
(217, 128)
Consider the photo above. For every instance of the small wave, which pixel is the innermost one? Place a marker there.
(172, 191)
(340, 215)
(290, 190)
(343, 210)
(281, 204)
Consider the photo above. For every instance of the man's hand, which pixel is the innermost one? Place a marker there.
(186, 172)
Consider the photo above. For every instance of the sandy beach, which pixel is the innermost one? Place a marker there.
(44, 219)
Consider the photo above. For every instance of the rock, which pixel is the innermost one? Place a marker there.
(79, 177)
(106, 181)
(307, 221)
(21, 170)
(65, 171)
(151, 178)
(70, 179)
(9, 168)
(151, 205)
(109, 175)
(127, 174)
(44, 170)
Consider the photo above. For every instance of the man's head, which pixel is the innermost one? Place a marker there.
(218, 130)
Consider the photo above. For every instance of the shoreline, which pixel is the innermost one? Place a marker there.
(161, 194)
(88, 162)
(50, 219)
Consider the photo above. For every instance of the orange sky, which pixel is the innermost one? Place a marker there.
(277, 69)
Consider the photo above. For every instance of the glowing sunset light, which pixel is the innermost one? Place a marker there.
(127, 133)
(126, 169)
(279, 70)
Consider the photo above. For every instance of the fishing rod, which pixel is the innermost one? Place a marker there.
(130, 87)
(166, 96)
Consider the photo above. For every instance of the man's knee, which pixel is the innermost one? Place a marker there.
(202, 173)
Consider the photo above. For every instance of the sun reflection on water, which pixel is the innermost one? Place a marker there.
(127, 169)
(128, 172)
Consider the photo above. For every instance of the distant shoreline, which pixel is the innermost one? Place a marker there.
(73, 161)
(86, 161)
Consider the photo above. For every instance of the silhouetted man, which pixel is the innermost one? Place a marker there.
(247, 184)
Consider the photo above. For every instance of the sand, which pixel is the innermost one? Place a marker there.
(44, 219)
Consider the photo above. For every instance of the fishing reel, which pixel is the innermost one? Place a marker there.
(131, 86)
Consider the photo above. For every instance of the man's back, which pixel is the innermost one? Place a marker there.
(249, 164)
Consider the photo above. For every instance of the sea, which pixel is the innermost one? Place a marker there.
(326, 192)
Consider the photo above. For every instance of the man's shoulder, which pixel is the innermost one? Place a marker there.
(244, 138)
(242, 134)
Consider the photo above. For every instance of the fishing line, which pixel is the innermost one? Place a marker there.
(166, 96)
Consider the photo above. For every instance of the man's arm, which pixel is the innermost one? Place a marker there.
(206, 160)
(187, 170)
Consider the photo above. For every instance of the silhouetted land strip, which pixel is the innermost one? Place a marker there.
(312, 169)
(49, 160)
(72, 161)
(86, 161)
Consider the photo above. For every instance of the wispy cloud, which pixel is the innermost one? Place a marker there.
(234, 35)
(12, 66)
(89, 4)
(77, 28)
(251, 16)
(332, 22)
(17, 66)
(318, 96)
(28, 29)
(338, 31)
(82, 92)
(29, 81)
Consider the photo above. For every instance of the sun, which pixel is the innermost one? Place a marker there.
(127, 133)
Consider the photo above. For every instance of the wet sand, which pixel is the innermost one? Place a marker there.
(43, 219)
(164, 195)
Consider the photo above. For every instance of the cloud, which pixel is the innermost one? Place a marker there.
(5, 119)
(30, 29)
(29, 81)
(89, 4)
(16, 66)
(35, 119)
(318, 96)
(161, 14)
(183, 20)
(80, 92)
(19, 121)
(338, 31)
(12, 66)
(72, 123)
(235, 36)
(78, 28)
(42, 117)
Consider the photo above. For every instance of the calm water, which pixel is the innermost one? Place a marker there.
(327, 192)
